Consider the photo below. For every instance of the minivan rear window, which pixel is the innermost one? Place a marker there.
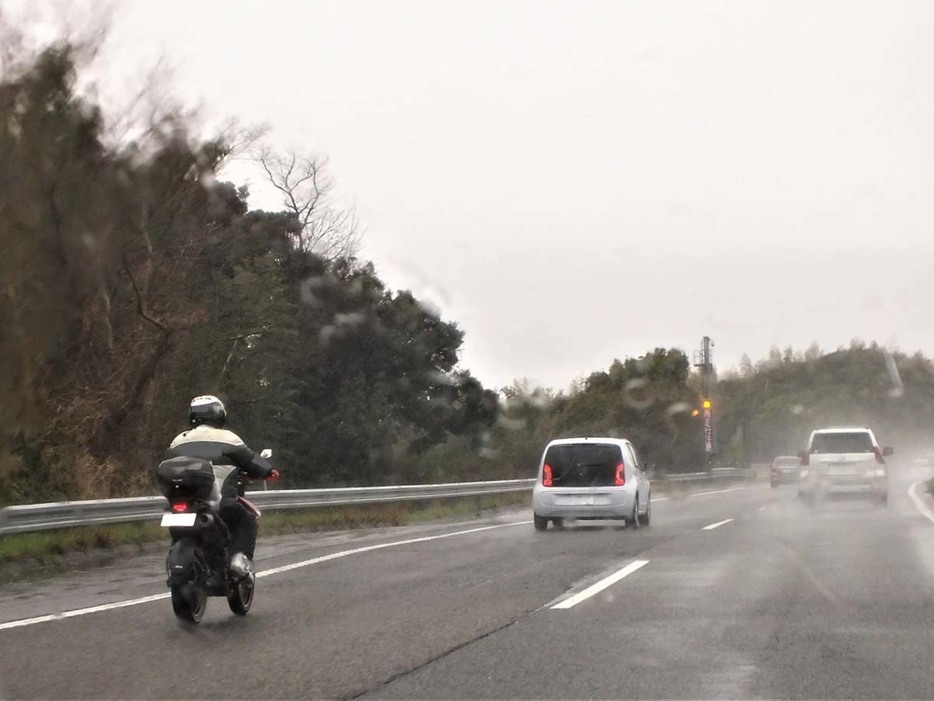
(856, 442)
(583, 464)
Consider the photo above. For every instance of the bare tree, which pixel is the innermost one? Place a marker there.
(325, 228)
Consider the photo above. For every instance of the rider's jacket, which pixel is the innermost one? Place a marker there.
(226, 451)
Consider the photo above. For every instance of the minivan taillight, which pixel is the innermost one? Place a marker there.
(879, 458)
(179, 507)
(619, 479)
(547, 479)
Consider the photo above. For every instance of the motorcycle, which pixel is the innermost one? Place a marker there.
(197, 563)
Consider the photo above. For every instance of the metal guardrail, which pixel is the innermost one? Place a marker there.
(37, 517)
(715, 473)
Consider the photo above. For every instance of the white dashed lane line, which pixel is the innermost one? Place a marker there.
(598, 587)
(717, 524)
(718, 491)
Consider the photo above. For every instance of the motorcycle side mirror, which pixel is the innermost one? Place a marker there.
(266, 453)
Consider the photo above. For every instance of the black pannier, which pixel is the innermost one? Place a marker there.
(185, 478)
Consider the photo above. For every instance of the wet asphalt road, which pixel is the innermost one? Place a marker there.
(780, 600)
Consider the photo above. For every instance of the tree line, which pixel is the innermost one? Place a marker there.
(760, 410)
(769, 408)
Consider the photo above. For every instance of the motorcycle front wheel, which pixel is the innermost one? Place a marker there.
(240, 596)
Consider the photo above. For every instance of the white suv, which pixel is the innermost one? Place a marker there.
(844, 460)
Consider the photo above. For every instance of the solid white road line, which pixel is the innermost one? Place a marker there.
(265, 573)
(601, 585)
(654, 499)
(919, 502)
(717, 524)
(718, 491)
(381, 546)
(82, 612)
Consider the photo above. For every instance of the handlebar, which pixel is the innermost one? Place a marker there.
(244, 477)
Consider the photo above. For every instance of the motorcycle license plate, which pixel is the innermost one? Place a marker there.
(178, 520)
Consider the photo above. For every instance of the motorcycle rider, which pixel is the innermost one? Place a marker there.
(210, 440)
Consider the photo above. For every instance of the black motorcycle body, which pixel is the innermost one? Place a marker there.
(197, 563)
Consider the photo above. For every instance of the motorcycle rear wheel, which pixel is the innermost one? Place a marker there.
(189, 601)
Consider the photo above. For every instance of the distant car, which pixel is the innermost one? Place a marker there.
(591, 478)
(784, 470)
(844, 460)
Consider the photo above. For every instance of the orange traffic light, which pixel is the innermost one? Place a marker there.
(695, 413)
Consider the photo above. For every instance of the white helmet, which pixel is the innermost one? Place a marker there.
(207, 409)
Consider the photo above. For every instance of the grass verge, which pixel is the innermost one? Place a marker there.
(42, 545)
(56, 550)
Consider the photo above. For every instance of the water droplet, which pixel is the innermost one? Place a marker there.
(634, 396)
(677, 408)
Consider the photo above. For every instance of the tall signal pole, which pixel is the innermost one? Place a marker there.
(704, 360)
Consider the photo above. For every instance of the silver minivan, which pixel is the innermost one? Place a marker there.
(591, 478)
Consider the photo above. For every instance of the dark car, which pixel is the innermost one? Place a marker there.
(784, 470)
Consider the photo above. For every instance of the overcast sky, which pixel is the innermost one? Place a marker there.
(577, 181)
